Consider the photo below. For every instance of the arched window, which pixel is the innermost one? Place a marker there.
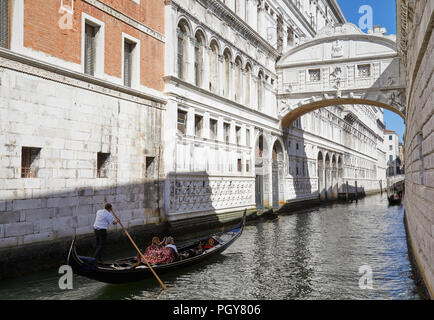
(247, 85)
(198, 58)
(260, 89)
(226, 72)
(238, 79)
(183, 32)
(213, 67)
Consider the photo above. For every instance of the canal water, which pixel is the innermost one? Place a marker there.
(314, 253)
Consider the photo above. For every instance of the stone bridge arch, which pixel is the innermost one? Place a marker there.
(341, 65)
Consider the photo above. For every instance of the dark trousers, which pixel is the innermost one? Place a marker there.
(101, 236)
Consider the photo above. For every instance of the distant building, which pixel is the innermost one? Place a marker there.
(391, 142)
(401, 157)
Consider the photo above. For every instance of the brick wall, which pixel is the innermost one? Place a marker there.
(42, 33)
(419, 140)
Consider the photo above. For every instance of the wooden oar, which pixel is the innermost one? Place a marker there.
(140, 253)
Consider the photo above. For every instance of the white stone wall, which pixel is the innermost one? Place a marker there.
(196, 158)
(71, 120)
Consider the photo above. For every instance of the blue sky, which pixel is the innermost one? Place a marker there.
(384, 14)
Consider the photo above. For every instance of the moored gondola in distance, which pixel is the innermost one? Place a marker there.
(123, 270)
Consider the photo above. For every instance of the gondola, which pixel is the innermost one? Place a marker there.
(394, 200)
(123, 271)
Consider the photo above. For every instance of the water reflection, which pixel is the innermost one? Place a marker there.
(313, 254)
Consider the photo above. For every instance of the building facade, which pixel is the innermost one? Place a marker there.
(81, 109)
(401, 158)
(227, 148)
(391, 141)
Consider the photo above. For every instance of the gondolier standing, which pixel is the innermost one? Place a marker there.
(103, 219)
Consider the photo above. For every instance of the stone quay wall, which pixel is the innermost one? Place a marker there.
(419, 140)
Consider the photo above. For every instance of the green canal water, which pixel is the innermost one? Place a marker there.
(312, 254)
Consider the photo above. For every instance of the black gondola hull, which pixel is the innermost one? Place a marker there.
(393, 201)
(87, 267)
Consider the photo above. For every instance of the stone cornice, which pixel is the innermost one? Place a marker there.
(337, 61)
(126, 19)
(178, 82)
(237, 24)
(13, 61)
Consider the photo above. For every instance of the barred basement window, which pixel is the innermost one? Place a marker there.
(4, 24)
(90, 49)
(182, 121)
(102, 164)
(149, 166)
(29, 157)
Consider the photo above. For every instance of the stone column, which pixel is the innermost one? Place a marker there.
(232, 136)
(220, 134)
(190, 60)
(206, 68)
(220, 68)
(205, 129)
(190, 122)
(231, 94)
(243, 135)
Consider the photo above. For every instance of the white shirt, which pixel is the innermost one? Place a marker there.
(103, 219)
(173, 247)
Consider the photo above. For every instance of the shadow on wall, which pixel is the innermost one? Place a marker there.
(300, 170)
(39, 229)
(35, 233)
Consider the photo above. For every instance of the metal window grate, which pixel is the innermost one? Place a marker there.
(4, 23)
(89, 50)
(102, 164)
(29, 156)
(128, 49)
